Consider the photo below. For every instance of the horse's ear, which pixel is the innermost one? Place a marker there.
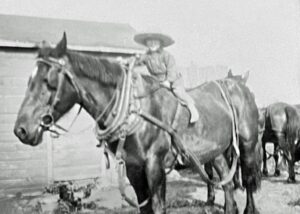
(61, 47)
(246, 76)
(229, 73)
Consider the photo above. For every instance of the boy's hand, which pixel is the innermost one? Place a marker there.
(166, 84)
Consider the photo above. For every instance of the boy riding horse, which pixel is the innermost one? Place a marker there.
(161, 64)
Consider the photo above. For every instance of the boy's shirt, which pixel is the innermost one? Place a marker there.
(161, 64)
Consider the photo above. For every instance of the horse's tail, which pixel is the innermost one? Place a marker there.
(292, 124)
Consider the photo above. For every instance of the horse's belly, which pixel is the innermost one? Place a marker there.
(212, 133)
(204, 149)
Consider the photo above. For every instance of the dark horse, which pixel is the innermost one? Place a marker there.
(228, 153)
(282, 126)
(93, 82)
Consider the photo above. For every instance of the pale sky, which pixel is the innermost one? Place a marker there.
(262, 36)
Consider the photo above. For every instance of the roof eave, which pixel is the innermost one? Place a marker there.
(103, 49)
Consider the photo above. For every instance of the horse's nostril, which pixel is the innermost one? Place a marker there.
(21, 133)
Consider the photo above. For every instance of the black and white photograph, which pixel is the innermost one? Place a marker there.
(150, 107)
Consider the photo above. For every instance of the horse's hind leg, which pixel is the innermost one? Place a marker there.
(291, 178)
(250, 151)
(210, 187)
(290, 157)
(276, 157)
(221, 166)
(265, 168)
(288, 148)
(250, 164)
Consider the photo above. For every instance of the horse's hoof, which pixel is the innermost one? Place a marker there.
(210, 202)
(251, 211)
(277, 173)
(234, 211)
(291, 180)
(265, 173)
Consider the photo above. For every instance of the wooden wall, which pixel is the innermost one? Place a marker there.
(20, 165)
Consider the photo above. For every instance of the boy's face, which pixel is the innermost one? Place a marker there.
(153, 44)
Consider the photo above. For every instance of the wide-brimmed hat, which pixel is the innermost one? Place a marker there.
(165, 40)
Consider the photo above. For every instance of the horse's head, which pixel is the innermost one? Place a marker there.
(239, 78)
(50, 94)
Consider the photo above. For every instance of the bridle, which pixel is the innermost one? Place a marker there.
(47, 120)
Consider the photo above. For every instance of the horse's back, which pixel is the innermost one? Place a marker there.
(279, 117)
(213, 131)
(277, 114)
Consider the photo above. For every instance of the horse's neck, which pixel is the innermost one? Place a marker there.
(95, 97)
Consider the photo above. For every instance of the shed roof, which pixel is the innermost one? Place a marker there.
(27, 32)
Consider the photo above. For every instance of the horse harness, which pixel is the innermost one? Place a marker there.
(119, 123)
(126, 117)
(47, 120)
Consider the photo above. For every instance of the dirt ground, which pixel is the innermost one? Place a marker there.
(185, 194)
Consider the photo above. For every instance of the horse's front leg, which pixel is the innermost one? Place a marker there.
(276, 157)
(210, 188)
(137, 177)
(291, 178)
(157, 182)
(156, 176)
(265, 167)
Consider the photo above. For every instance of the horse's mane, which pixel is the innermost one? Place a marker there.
(103, 70)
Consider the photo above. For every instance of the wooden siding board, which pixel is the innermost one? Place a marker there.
(6, 127)
(10, 104)
(12, 81)
(8, 137)
(12, 90)
(21, 184)
(23, 173)
(8, 118)
(22, 155)
(17, 164)
(77, 172)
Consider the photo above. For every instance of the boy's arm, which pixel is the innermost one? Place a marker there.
(140, 59)
(172, 72)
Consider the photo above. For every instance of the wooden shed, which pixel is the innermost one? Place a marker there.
(73, 155)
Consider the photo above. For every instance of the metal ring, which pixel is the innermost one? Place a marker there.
(47, 120)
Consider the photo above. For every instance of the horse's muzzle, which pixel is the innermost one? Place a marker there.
(25, 137)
